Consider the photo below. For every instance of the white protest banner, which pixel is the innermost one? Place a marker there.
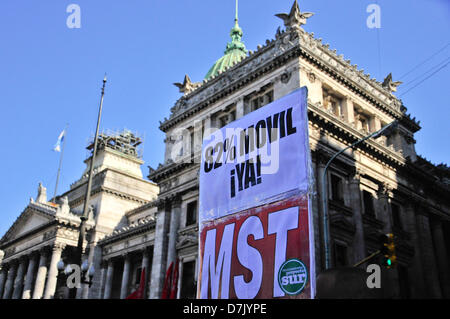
(255, 224)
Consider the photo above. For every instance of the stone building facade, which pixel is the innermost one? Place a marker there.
(381, 186)
(47, 231)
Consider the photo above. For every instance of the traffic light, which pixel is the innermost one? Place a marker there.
(387, 248)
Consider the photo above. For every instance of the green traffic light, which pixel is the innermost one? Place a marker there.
(389, 262)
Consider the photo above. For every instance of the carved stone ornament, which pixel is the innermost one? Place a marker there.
(187, 86)
(295, 19)
(188, 239)
(285, 77)
(389, 85)
(311, 77)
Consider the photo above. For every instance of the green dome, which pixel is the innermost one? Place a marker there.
(234, 53)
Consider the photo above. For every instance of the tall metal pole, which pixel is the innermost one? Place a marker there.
(326, 234)
(84, 217)
(60, 163)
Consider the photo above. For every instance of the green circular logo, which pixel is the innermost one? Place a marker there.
(292, 276)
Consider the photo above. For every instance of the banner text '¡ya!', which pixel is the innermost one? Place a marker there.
(255, 136)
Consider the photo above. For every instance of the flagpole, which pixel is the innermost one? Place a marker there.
(78, 256)
(60, 164)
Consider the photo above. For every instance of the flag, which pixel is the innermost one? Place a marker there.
(61, 136)
(171, 282)
(165, 292)
(174, 286)
(139, 293)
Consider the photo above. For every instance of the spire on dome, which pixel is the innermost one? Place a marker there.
(235, 50)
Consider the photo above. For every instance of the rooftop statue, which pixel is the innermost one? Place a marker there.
(389, 84)
(187, 86)
(295, 19)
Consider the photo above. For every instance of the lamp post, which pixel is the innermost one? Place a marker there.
(383, 131)
(86, 274)
(82, 229)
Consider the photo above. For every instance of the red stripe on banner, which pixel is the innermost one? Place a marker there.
(297, 245)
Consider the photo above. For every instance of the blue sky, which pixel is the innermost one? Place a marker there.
(51, 75)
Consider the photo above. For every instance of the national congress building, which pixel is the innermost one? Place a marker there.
(381, 186)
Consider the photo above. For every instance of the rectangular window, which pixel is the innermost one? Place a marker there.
(188, 284)
(191, 213)
(137, 279)
(368, 204)
(258, 99)
(396, 221)
(340, 255)
(403, 281)
(192, 144)
(337, 189)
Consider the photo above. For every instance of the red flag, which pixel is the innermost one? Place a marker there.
(174, 286)
(170, 288)
(139, 293)
(167, 281)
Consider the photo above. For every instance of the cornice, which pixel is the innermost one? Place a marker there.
(128, 231)
(344, 132)
(286, 46)
(46, 210)
(168, 169)
(32, 232)
(102, 189)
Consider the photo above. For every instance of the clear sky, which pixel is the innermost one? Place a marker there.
(51, 75)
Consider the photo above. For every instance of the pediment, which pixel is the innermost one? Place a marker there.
(31, 218)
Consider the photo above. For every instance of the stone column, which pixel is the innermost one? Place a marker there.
(18, 282)
(94, 259)
(383, 211)
(239, 108)
(320, 164)
(208, 129)
(347, 109)
(125, 277)
(441, 256)
(359, 245)
(160, 250)
(316, 220)
(173, 233)
(187, 144)
(53, 271)
(109, 280)
(10, 281)
(383, 207)
(375, 123)
(101, 288)
(415, 270)
(198, 138)
(3, 276)
(428, 257)
(145, 265)
(41, 274)
(29, 279)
